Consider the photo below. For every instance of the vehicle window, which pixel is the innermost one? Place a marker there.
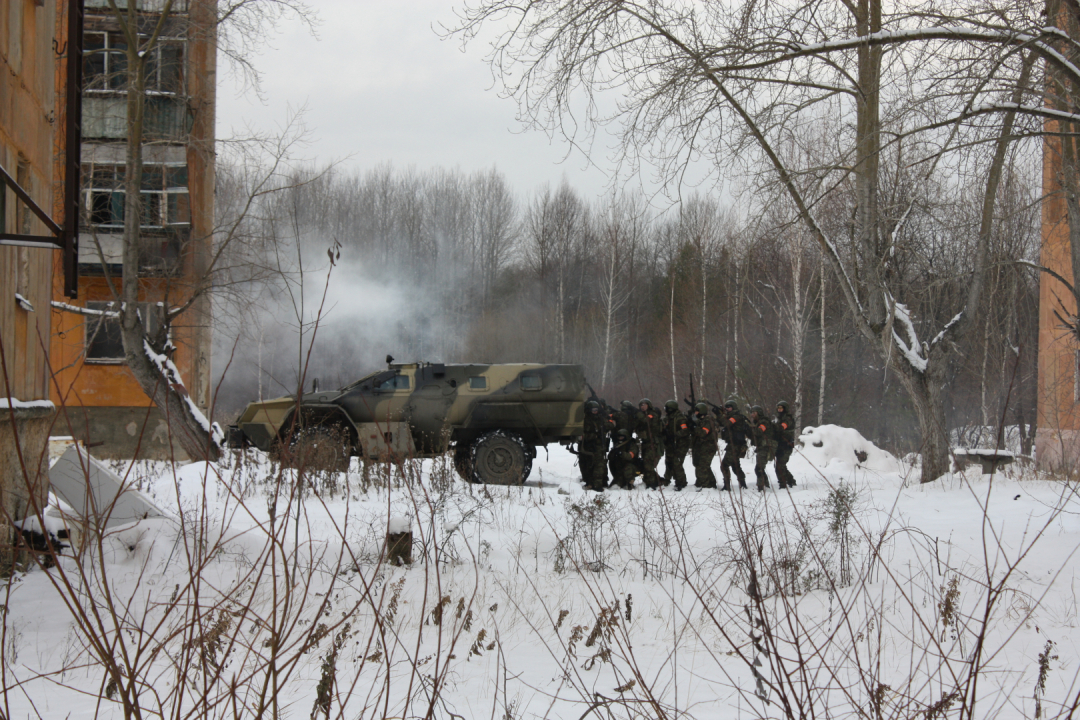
(397, 382)
(531, 382)
(478, 383)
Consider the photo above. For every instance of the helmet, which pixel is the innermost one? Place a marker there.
(646, 402)
(622, 434)
(732, 405)
(671, 405)
(702, 408)
(783, 406)
(757, 409)
(592, 406)
(627, 405)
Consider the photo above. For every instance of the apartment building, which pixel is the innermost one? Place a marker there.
(100, 401)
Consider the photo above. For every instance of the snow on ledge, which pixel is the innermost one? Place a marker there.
(984, 452)
(15, 403)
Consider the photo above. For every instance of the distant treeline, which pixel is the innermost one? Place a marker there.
(457, 267)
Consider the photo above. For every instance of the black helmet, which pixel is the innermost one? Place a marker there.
(627, 405)
(701, 408)
(757, 409)
(783, 407)
(592, 406)
(646, 402)
(671, 405)
(732, 405)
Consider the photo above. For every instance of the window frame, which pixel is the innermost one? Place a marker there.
(102, 180)
(112, 53)
(94, 325)
(398, 386)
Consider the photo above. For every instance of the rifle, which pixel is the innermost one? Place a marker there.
(692, 401)
(593, 395)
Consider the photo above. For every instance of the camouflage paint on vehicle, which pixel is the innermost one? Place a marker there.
(421, 409)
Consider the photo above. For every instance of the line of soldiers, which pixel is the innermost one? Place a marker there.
(629, 441)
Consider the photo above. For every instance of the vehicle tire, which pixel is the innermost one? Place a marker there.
(500, 458)
(463, 462)
(321, 447)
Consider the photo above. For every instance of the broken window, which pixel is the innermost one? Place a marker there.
(103, 341)
(163, 196)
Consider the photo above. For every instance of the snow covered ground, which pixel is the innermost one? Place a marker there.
(858, 593)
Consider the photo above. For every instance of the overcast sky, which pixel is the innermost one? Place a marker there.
(379, 85)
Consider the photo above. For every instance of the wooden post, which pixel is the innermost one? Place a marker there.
(399, 541)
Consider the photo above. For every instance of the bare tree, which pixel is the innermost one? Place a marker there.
(733, 82)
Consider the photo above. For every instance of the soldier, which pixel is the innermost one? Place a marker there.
(764, 443)
(784, 429)
(736, 428)
(626, 417)
(594, 441)
(676, 444)
(622, 458)
(703, 448)
(650, 432)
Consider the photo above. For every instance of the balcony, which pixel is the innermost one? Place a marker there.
(105, 118)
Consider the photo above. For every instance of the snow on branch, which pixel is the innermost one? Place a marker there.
(910, 349)
(111, 314)
(171, 373)
(948, 326)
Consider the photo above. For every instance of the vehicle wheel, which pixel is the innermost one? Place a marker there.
(463, 462)
(322, 447)
(501, 458)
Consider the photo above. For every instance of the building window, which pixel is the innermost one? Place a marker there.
(103, 341)
(164, 196)
(105, 64)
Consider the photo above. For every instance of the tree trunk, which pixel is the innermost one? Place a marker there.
(145, 355)
(821, 382)
(924, 389)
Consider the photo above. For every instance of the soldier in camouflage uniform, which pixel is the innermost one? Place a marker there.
(650, 432)
(735, 430)
(764, 442)
(622, 459)
(784, 429)
(626, 417)
(703, 447)
(676, 444)
(594, 440)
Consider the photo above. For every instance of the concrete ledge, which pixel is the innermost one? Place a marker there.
(120, 433)
(24, 471)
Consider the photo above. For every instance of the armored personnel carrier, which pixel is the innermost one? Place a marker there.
(493, 417)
